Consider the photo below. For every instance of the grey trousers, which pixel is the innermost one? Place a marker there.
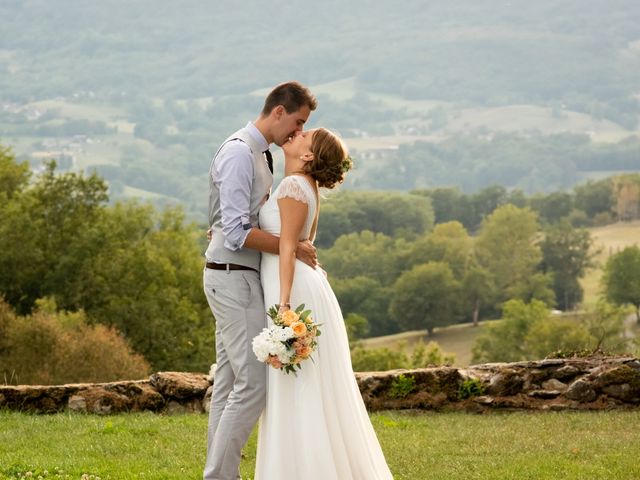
(239, 390)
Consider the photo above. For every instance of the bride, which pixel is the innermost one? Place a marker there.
(315, 425)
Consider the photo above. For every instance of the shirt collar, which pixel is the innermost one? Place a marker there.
(257, 136)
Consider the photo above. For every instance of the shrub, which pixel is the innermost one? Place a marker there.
(381, 359)
(471, 387)
(402, 386)
(50, 347)
(377, 359)
(430, 355)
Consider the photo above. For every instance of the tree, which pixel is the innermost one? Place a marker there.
(449, 243)
(147, 283)
(487, 200)
(393, 214)
(478, 289)
(40, 227)
(504, 341)
(621, 278)
(425, 297)
(357, 326)
(595, 197)
(536, 286)
(126, 266)
(566, 252)
(365, 297)
(553, 207)
(362, 254)
(13, 176)
(506, 248)
(627, 196)
(450, 204)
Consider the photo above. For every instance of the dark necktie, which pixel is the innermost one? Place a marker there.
(269, 160)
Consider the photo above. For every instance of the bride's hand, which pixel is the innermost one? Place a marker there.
(307, 253)
(209, 234)
(283, 307)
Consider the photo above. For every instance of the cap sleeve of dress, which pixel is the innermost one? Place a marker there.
(291, 188)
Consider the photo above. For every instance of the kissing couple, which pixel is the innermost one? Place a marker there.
(313, 425)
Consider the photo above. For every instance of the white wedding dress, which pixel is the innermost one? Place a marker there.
(315, 425)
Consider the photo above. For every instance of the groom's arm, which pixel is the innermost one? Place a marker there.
(234, 178)
(265, 242)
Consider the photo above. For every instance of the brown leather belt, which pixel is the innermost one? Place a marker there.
(228, 266)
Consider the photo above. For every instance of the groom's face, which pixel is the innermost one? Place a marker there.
(288, 124)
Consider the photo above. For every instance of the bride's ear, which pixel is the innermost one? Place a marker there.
(307, 157)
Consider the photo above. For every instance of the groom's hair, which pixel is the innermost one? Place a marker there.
(292, 96)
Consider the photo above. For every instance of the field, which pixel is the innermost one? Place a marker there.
(608, 240)
(418, 446)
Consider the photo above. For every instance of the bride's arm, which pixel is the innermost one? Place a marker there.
(293, 215)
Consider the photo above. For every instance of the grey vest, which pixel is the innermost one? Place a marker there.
(260, 188)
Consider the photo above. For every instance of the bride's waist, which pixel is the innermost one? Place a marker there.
(272, 260)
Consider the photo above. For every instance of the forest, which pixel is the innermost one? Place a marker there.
(119, 284)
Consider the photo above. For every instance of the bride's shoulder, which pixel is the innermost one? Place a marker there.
(296, 187)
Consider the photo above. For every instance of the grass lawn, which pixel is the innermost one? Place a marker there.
(567, 445)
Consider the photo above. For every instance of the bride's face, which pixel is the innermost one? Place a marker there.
(299, 145)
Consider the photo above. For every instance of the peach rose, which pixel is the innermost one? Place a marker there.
(305, 352)
(289, 317)
(299, 329)
(274, 361)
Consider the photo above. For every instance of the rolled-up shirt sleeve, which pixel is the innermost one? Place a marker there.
(233, 174)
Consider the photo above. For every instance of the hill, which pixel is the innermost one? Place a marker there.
(144, 92)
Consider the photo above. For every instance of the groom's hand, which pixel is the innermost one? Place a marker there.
(307, 253)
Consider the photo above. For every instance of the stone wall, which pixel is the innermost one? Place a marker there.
(553, 384)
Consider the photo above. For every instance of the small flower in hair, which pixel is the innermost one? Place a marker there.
(346, 164)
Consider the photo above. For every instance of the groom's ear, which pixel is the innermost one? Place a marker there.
(278, 112)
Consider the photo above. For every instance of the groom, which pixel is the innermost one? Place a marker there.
(240, 179)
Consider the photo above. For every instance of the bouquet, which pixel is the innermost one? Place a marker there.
(291, 339)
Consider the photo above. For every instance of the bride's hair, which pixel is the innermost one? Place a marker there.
(331, 161)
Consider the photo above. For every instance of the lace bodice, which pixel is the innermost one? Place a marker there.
(293, 186)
